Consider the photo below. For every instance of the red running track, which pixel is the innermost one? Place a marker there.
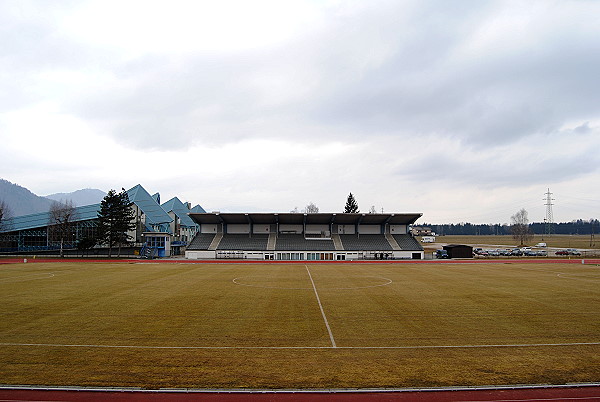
(568, 393)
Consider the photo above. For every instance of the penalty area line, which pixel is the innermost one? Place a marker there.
(321, 307)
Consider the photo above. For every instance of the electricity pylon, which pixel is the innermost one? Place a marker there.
(549, 229)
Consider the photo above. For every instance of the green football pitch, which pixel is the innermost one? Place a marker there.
(258, 325)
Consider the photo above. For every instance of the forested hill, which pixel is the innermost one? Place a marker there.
(579, 226)
(21, 201)
(86, 196)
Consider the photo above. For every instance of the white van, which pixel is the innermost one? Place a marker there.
(428, 239)
(541, 245)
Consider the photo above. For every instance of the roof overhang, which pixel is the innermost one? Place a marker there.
(308, 219)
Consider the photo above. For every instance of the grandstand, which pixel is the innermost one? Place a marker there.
(299, 236)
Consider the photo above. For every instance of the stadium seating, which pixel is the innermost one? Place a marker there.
(407, 242)
(297, 242)
(256, 242)
(365, 242)
(201, 241)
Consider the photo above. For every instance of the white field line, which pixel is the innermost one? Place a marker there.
(562, 275)
(523, 345)
(32, 277)
(239, 281)
(321, 307)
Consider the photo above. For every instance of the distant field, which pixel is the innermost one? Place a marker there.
(299, 326)
(559, 241)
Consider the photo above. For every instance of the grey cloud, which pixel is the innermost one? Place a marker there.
(155, 101)
(494, 98)
(32, 46)
(512, 166)
(583, 128)
(390, 69)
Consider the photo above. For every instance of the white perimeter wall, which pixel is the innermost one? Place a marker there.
(369, 229)
(407, 254)
(398, 229)
(200, 255)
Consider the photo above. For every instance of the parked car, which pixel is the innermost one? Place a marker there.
(541, 245)
(441, 254)
(573, 251)
(516, 252)
(562, 252)
(480, 252)
(530, 253)
(542, 253)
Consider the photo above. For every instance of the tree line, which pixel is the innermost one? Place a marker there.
(579, 226)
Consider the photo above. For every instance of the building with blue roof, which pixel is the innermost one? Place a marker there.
(182, 224)
(168, 229)
(197, 210)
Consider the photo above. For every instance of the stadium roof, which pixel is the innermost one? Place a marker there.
(308, 219)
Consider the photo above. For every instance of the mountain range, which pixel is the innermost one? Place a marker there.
(20, 201)
(87, 196)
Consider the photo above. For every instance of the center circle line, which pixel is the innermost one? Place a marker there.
(388, 281)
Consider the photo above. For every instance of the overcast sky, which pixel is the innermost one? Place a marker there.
(465, 111)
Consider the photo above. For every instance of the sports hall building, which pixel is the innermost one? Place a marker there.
(304, 237)
(160, 229)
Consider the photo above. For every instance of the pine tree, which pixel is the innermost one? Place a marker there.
(351, 205)
(115, 219)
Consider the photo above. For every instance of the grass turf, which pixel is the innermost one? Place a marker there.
(260, 326)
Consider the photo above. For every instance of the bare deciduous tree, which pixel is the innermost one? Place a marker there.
(311, 208)
(5, 214)
(520, 227)
(61, 223)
